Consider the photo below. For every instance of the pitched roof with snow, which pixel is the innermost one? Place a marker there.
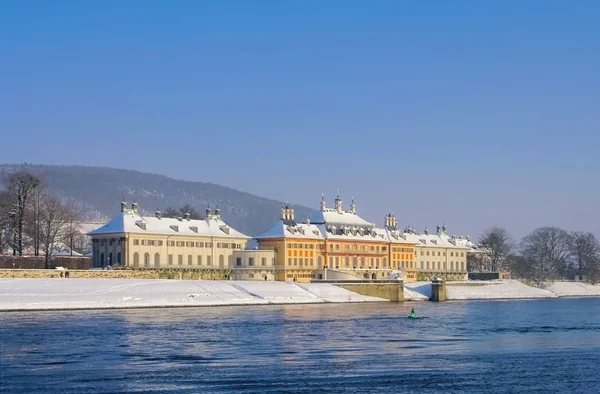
(281, 229)
(130, 221)
(332, 216)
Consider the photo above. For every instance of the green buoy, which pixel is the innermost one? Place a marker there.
(412, 315)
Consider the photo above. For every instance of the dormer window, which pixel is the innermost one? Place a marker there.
(194, 228)
(141, 224)
(174, 227)
(316, 232)
(225, 229)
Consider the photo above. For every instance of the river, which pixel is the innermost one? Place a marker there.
(497, 347)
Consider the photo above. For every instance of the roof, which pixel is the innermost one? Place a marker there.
(332, 216)
(295, 230)
(130, 221)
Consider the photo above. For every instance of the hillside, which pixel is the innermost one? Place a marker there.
(100, 190)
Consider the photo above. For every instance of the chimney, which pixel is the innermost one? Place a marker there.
(291, 213)
(134, 206)
(353, 207)
(157, 213)
(186, 216)
(218, 213)
(283, 213)
(338, 204)
(208, 213)
(323, 205)
(123, 205)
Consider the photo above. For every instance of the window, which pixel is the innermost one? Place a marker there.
(199, 260)
(208, 260)
(170, 243)
(251, 275)
(199, 244)
(295, 261)
(451, 254)
(289, 261)
(263, 261)
(189, 244)
(190, 261)
(136, 259)
(156, 260)
(159, 243)
(301, 261)
(238, 261)
(170, 259)
(135, 241)
(427, 253)
(221, 261)
(251, 261)
(273, 260)
(439, 253)
(422, 253)
(180, 259)
(462, 254)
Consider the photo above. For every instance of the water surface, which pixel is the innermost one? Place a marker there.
(512, 346)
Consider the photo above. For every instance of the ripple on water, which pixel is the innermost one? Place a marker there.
(461, 347)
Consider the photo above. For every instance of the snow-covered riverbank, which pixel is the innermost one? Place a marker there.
(44, 294)
(501, 290)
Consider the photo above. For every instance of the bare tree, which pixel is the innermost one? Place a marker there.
(72, 229)
(519, 267)
(5, 222)
(585, 252)
(498, 245)
(53, 219)
(171, 212)
(546, 251)
(20, 187)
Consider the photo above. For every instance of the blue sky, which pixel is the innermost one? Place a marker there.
(473, 113)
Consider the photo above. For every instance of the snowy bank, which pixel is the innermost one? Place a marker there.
(484, 290)
(573, 289)
(40, 294)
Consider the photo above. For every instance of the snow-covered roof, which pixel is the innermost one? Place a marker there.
(332, 216)
(130, 221)
(433, 240)
(292, 230)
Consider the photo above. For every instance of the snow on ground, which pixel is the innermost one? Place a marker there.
(483, 290)
(37, 294)
(573, 289)
(413, 295)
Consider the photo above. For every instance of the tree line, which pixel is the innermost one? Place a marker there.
(33, 221)
(544, 254)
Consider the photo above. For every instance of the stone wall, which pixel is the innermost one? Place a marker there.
(214, 274)
(488, 275)
(428, 276)
(389, 291)
(37, 262)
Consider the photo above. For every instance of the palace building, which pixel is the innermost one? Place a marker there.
(338, 244)
(335, 240)
(132, 240)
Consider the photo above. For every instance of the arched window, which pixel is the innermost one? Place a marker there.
(221, 261)
(110, 259)
(102, 259)
(230, 261)
(384, 262)
(452, 266)
(157, 260)
(147, 260)
(320, 262)
(119, 258)
(136, 259)
(347, 262)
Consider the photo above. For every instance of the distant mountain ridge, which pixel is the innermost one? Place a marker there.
(99, 190)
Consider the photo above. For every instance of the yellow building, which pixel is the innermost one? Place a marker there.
(439, 255)
(132, 240)
(335, 239)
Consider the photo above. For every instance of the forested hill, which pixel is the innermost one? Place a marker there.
(100, 190)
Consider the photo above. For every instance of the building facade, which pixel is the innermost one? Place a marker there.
(339, 239)
(132, 240)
